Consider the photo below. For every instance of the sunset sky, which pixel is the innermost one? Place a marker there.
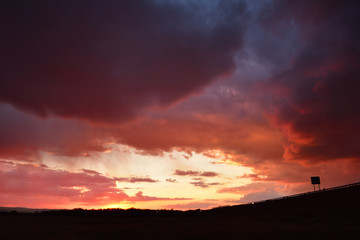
(176, 104)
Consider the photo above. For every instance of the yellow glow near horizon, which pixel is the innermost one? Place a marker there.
(118, 205)
(128, 164)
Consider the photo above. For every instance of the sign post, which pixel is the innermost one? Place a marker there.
(315, 181)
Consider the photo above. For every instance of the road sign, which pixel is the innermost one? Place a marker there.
(315, 180)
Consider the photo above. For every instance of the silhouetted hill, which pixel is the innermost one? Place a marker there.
(327, 214)
(22, 210)
(338, 199)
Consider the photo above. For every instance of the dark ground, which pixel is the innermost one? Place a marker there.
(323, 215)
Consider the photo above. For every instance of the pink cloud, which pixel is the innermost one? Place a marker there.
(34, 186)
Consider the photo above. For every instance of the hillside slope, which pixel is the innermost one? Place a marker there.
(330, 214)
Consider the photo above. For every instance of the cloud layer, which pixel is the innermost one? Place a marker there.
(272, 86)
(39, 186)
(315, 97)
(107, 61)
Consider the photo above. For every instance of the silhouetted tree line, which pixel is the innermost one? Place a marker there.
(113, 212)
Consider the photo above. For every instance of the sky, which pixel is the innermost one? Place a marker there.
(177, 104)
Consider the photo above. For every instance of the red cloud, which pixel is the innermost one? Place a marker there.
(29, 182)
(24, 136)
(73, 138)
(110, 60)
(199, 133)
(32, 186)
(310, 97)
(318, 115)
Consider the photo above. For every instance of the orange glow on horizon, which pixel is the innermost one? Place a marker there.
(117, 205)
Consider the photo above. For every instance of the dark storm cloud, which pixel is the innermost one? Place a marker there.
(107, 60)
(315, 101)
